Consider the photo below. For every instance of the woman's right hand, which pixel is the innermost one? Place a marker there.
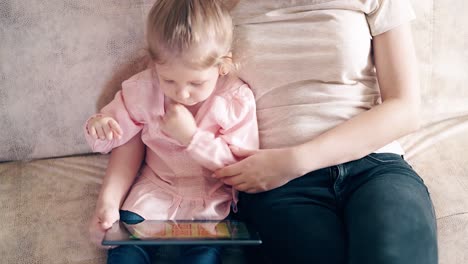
(260, 170)
(104, 127)
(102, 220)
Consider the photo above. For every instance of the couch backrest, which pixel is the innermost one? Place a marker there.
(440, 34)
(61, 61)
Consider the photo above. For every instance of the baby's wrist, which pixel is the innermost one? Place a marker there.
(103, 206)
(108, 203)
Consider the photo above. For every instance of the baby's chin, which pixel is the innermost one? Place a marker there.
(189, 103)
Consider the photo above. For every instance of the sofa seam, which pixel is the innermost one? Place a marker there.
(450, 215)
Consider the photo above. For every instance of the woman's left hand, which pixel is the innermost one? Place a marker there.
(260, 170)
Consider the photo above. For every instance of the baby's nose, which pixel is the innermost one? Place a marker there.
(184, 94)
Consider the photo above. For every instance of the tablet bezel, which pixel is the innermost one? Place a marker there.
(120, 235)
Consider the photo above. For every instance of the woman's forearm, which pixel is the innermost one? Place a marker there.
(124, 163)
(358, 136)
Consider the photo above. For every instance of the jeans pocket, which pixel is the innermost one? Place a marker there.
(384, 158)
(393, 159)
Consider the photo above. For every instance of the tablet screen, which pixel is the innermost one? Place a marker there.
(151, 232)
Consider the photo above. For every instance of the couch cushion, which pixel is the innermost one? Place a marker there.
(46, 206)
(443, 166)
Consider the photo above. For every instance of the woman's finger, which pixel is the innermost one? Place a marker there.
(243, 187)
(240, 152)
(251, 190)
(229, 171)
(233, 180)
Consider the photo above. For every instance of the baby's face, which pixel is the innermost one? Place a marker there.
(184, 84)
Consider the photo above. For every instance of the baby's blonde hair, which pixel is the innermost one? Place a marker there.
(177, 26)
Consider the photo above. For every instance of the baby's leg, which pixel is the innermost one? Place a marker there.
(201, 255)
(130, 253)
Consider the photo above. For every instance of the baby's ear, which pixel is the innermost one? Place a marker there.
(224, 68)
(226, 65)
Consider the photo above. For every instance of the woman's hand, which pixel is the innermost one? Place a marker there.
(104, 127)
(178, 123)
(102, 220)
(260, 170)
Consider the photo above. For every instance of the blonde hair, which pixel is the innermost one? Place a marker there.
(177, 26)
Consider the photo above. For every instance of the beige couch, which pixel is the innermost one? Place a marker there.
(61, 60)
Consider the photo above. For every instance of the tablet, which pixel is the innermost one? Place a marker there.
(152, 232)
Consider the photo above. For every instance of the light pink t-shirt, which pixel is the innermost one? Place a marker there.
(175, 181)
(310, 64)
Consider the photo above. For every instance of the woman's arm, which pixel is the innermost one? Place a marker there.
(398, 115)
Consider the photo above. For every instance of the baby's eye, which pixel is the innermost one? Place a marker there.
(196, 83)
(168, 81)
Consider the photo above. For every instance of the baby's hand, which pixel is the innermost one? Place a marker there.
(178, 123)
(104, 127)
(102, 220)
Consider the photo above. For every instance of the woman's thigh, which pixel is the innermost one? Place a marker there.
(298, 222)
(389, 217)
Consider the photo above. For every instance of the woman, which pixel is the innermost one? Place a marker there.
(335, 84)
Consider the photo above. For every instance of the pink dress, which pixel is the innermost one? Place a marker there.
(175, 182)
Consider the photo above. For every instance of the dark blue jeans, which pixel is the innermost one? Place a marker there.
(375, 210)
(143, 254)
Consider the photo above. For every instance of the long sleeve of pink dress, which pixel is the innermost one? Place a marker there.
(176, 183)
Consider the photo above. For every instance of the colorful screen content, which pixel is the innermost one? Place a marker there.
(150, 232)
(178, 230)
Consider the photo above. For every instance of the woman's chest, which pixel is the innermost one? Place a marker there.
(312, 42)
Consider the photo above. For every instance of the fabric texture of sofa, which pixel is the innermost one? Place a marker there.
(62, 60)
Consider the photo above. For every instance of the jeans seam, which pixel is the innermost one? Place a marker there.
(379, 161)
(338, 180)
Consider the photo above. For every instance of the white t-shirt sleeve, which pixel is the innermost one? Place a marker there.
(389, 14)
